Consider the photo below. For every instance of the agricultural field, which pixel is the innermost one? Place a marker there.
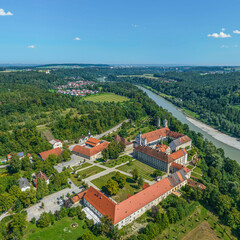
(144, 170)
(90, 171)
(129, 189)
(116, 162)
(106, 97)
(60, 230)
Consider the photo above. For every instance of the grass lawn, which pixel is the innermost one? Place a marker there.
(190, 166)
(120, 160)
(129, 189)
(84, 165)
(61, 230)
(106, 97)
(189, 113)
(90, 171)
(196, 175)
(197, 170)
(144, 170)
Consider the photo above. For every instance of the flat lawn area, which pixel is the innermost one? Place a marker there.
(197, 170)
(129, 189)
(200, 225)
(115, 162)
(106, 97)
(60, 230)
(196, 175)
(190, 166)
(84, 165)
(144, 170)
(190, 113)
(90, 171)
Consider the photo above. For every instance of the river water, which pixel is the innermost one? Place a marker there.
(230, 152)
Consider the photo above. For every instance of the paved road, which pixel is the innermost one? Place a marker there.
(50, 202)
(75, 160)
(103, 134)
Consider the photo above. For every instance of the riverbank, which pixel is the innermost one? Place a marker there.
(229, 144)
(231, 141)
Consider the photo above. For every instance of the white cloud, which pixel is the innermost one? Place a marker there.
(219, 35)
(135, 25)
(235, 45)
(3, 13)
(224, 46)
(223, 29)
(77, 39)
(31, 46)
(236, 31)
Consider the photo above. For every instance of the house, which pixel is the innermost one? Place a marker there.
(78, 197)
(42, 176)
(91, 150)
(24, 184)
(133, 207)
(194, 184)
(163, 148)
(56, 143)
(20, 155)
(55, 151)
(182, 142)
(128, 145)
(29, 156)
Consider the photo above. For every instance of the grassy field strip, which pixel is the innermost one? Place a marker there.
(144, 170)
(107, 97)
(84, 165)
(90, 171)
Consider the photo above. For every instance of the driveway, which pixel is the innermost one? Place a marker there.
(50, 202)
(75, 160)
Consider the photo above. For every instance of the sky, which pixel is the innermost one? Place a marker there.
(187, 32)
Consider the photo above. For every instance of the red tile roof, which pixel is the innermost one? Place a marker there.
(90, 151)
(101, 202)
(162, 147)
(178, 154)
(157, 154)
(121, 139)
(176, 165)
(185, 139)
(192, 183)
(121, 210)
(175, 134)
(93, 141)
(40, 175)
(155, 135)
(78, 197)
(56, 151)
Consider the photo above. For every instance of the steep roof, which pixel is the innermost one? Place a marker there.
(23, 182)
(193, 183)
(121, 139)
(90, 151)
(157, 154)
(175, 134)
(176, 166)
(53, 141)
(93, 141)
(120, 211)
(45, 155)
(178, 154)
(162, 147)
(137, 201)
(181, 140)
(155, 135)
(40, 175)
(101, 202)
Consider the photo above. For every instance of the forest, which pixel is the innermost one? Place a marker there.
(221, 175)
(214, 98)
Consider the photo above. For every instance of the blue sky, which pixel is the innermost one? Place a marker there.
(124, 32)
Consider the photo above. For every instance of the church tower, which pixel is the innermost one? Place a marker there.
(165, 123)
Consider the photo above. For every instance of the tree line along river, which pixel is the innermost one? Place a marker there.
(230, 152)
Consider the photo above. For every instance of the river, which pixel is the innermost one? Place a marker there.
(230, 152)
